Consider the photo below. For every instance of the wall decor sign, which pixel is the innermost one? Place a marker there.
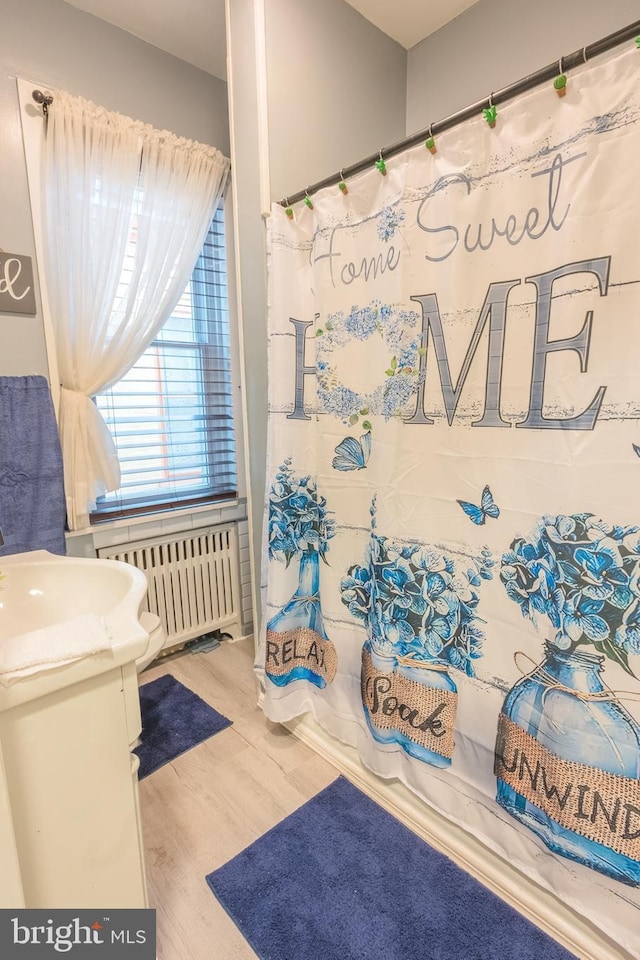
(453, 572)
(17, 293)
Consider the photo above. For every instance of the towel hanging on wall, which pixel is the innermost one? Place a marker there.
(32, 505)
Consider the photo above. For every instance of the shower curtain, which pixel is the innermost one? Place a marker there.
(453, 547)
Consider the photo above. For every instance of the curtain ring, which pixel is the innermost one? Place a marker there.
(490, 112)
(430, 143)
(584, 54)
(560, 82)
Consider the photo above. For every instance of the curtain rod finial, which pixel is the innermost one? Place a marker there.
(43, 99)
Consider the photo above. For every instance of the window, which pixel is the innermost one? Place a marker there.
(171, 415)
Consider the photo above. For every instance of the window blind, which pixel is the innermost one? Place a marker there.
(171, 415)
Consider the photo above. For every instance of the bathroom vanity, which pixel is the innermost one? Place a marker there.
(70, 834)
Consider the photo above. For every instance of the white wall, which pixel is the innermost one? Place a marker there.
(497, 42)
(55, 44)
(335, 92)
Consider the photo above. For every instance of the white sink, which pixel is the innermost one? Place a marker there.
(39, 589)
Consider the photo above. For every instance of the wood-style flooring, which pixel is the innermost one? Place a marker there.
(209, 804)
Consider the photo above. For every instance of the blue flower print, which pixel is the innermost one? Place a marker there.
(360, 324)
(389, 219)
(396, 394)
(583, 574)
(602, 575)
(355, 589)
(298, 516)
(391, 629)
(340, 401)
(467, 650)
(434, 635)
(627, 636)
(415, 603)
(580, 617)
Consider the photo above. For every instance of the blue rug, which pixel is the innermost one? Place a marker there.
(341, 879)
(174, 719)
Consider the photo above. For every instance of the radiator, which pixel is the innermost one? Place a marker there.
(192, 577)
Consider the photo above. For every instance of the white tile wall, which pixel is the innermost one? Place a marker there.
(245, 576)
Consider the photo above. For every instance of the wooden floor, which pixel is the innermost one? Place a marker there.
(215, 800)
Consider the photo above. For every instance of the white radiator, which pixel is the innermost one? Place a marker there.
(193, 580)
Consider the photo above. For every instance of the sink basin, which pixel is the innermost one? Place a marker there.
(39, 589)
(37, 593)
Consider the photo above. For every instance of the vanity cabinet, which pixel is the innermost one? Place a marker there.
(70, 833)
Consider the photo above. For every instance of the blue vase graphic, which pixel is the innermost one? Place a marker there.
(411, 703)
(568, 764)
(298, 647)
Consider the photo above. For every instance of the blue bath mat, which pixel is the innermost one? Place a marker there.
(174, 719)
(341, 879)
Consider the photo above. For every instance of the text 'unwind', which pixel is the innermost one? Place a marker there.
(602, 806)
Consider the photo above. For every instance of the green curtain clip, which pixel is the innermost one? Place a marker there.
(560, 82)
(381, 166)
(307, 199)
(287, 208)
(638, 42)
(490, 113)
(430, 143)
(342, 186)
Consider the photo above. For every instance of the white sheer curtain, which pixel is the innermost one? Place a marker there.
(126, 211)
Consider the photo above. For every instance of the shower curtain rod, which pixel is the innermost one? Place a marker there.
(506, 93)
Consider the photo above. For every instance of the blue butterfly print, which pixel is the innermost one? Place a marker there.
(473, 578)
(486, 509)
(353, 454)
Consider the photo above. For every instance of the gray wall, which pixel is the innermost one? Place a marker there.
(336, 89)
(336, 86)
(495, 43)
(52, 43)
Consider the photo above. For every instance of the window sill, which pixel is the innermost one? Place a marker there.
(111, 532)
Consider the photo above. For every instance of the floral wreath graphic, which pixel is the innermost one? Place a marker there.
(388, 221)
(402, 334)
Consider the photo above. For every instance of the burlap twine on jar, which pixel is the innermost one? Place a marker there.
(413, 703)
(301, 647)
(601, 806)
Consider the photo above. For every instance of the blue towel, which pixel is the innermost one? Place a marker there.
(32, 503)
